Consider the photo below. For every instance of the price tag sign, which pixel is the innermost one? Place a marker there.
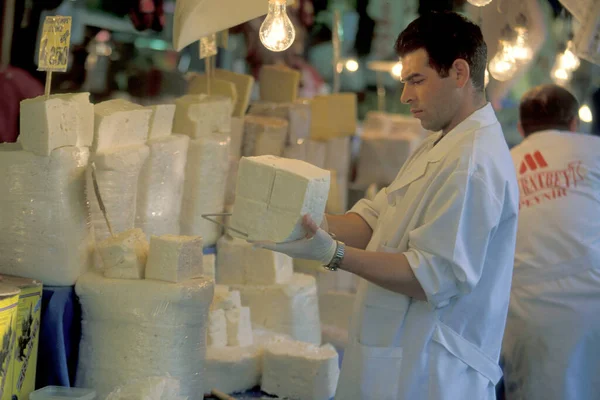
(208, 46)
(223, 39)
(54, 44)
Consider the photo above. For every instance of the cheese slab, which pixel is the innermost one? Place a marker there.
(264, 136)
(278, 83)
(299, 370)
(161, 121)
(233, 369)
(174, 258)
(297, 115)
(200, 84)
(239, 327)
(199, 115)
(333, 116)
(216, 332)
(60, 120)
(273, 194)
(120, 123)
(124, 255)
(238, 262)
(243, 87)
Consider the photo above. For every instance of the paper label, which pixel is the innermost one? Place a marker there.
(208, 46)
(54, 45)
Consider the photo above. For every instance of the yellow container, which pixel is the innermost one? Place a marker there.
(9, 300)
(28, 334)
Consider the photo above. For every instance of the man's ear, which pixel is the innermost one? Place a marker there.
(462, 72)
(520, 129)
(574, 125)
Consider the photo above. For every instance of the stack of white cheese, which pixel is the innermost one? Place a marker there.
(207, 121)
(45, 231)
(147, 315)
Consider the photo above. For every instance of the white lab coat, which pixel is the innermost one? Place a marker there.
(452, 211)
(551, 347)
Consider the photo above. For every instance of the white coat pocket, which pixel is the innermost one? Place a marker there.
(373, 373)
(461, 369)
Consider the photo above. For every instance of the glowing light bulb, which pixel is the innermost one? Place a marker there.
(397, 70)
(486, 78)
(520, 50)
(480, 3)
(568, 60)
(277, 31)
(560, 76)
(352, 65)
(503, 66)
(585, 114)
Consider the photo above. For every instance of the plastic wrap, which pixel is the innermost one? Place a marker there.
(234, 163)
(44, 217)
(382, 156)
(160, 187)
(134, 329)
(204, 188)
(118, 173)
(291, 308)
(154, 388)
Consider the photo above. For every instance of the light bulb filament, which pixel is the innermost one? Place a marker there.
(277, 31)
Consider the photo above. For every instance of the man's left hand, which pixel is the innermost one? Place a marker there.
(318, 245)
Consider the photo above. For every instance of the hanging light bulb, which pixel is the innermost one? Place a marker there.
(560, 76)
(521, 51)
(486, 78)
(503, 66)
(352, 65)
(568, 60)
(277, 31)
(585, 114)
(397, 71)
(480, 3)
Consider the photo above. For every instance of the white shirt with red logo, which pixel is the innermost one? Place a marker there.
(551, 348)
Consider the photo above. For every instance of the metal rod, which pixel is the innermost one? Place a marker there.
(207, 217)
(99, 197)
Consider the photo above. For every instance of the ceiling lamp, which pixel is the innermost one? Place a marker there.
(277, 31)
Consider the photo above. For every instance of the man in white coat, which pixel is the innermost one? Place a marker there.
(551, 346)
(434, 249)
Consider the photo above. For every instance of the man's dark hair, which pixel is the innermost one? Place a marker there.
(446, 37)
(547, 107)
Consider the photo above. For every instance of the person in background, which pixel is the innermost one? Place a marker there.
(435, 249)
(551, 346)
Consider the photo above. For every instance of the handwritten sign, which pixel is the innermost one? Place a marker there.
(54, 44)
(208, 46)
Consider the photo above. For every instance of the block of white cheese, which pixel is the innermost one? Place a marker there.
(133, 329)
(60, 120)
(160, 186)
(225, 299)
(124, 255)
(152, 388)
(243, 87)
(297, 115)
(161, 121)
(117, 171)
(237, 137)
(119, 123)
(311, 151)
(233, 369)
(199, 116)
(204, 187)
(381, 157)
(174, 258)
(278, 83)
(264, 136)
(239, 327)
(208, 266)
(273, 194)
(45, 232)
(297, 370)
(238, 262)
(200, 84)
(290, 308)
(338, 155)
(216, 334)
(333, 116)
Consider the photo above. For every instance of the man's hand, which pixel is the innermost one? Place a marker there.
(318, 245)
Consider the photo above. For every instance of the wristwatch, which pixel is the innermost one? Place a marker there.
(335, 262)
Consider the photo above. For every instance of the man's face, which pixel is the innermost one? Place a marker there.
(432, 99)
